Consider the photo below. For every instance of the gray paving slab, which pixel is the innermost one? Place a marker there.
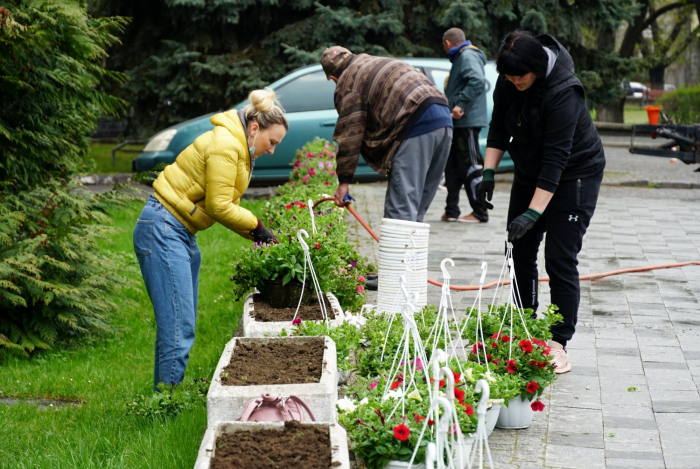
(631, 399)
(680, 439)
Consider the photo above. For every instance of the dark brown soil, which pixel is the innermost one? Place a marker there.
(297, 446)
(263, 312)
(280, 361)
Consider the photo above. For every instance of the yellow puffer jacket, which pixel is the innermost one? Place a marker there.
(205, 183)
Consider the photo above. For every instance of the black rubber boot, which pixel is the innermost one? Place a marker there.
(372, 283)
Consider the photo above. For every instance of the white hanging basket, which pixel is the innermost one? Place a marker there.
(492, 417)
(517, 415)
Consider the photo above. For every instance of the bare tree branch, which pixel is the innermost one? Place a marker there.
(664, 9)
(634, 31)
(677, 53)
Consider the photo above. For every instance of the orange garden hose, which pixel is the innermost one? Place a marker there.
(507, 282)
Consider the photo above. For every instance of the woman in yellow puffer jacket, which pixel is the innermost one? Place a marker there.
(203, 186)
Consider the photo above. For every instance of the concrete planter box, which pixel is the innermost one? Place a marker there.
(253, 328)
(226, 403)
(340, 458)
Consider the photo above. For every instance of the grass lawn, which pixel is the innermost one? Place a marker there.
(101, 153)
(105, 373)
(633, 114)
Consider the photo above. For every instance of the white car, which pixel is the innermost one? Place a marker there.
(636, 90)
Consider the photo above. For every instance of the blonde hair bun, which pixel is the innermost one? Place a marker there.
(263, 100)
(264, 109)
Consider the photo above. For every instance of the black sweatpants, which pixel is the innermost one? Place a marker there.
(565, 221)
(465, 167)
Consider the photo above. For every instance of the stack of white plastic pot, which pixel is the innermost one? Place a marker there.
(403, 251)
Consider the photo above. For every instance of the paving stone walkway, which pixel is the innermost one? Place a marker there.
(631, 400)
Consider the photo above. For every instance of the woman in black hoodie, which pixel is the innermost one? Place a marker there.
(540, 116)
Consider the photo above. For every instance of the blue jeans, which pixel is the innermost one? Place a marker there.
(169, 258)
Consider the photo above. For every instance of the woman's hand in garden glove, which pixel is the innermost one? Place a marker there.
(263, 235)
(522, 224)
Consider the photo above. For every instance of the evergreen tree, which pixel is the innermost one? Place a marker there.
(54, 281)
(189, 57)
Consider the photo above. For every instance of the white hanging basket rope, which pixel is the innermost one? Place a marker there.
(301, 234)
(479, 332)
(449, 440)
(482, 438)
(441, 334)
(406, 360)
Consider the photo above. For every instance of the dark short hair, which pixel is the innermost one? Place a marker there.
(521, 53)
(454, 35)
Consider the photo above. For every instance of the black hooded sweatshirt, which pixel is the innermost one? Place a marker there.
(553, 137)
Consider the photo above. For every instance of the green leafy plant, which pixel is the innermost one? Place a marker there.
(682, 105)
(369, 361)
(347, 338)
(147, 177)
(172, 400)
(339, 268)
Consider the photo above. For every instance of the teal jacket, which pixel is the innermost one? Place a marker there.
(466, 87)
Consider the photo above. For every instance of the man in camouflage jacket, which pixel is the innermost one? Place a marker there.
(396, 117)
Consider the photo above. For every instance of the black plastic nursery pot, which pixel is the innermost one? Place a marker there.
(285, 296)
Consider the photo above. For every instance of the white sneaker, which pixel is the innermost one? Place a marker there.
(560, 357)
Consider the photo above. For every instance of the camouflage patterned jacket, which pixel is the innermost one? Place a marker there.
(378, 100)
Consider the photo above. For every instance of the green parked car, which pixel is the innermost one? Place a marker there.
(307, 97)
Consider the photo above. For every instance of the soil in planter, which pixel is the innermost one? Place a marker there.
(263, 312)
(277, 362)
(296, 446)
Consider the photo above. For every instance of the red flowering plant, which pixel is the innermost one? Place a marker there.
(381, 429)
(518, 352)
(503, 387)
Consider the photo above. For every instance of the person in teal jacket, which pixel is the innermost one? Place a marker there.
(466, 94)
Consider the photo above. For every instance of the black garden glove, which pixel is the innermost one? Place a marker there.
(521, 224)
(485, 189)
(262, 235)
